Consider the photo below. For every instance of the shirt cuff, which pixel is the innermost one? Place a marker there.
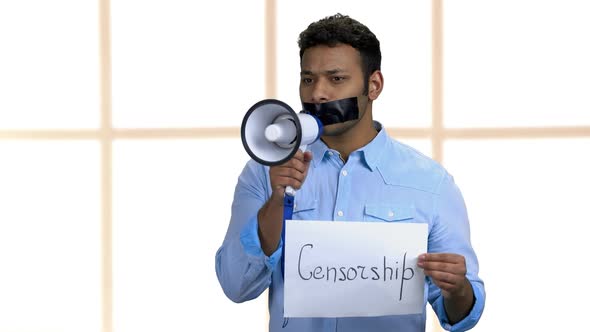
(470, 320)
(251, 244)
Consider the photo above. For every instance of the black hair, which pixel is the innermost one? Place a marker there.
(341, 29)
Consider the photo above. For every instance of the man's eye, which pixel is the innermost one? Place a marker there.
(337, 78)
(306, 80)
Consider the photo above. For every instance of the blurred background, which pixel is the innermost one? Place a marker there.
(120, 149)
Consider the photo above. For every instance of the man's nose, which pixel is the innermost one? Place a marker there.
(319, 93)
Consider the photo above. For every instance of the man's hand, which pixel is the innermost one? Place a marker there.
(447, 271)
(270, 216)
(292, 173)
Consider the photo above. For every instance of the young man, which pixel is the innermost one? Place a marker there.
(355, 165)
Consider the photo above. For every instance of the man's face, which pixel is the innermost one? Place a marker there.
(332, 73)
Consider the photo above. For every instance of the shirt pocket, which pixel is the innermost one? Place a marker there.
(389, 213)
(305, 209)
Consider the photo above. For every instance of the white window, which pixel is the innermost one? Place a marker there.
(119, 123)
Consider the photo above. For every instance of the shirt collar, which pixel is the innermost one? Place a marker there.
(319, 151)
(373, 151)
(370, 153)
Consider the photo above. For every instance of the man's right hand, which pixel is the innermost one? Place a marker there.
(292, 173)
(270, 217)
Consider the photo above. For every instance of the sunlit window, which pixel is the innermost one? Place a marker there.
(50, 236)
(186, 63)
(167, 229)
(49, 64)
(517, 63)
(113, 225)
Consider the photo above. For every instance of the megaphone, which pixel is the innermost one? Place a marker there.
(272, 132)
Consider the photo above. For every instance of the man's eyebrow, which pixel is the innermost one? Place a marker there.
(326, 72)
(334, 71)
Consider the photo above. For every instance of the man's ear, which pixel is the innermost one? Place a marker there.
(375, 85)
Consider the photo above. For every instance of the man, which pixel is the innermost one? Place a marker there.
(355, 166)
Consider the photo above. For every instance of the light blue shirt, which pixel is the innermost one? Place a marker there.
(382, 177)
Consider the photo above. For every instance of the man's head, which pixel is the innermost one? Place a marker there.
(340, 59)
(341, 29)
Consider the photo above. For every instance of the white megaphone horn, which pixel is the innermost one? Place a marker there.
(272, 132)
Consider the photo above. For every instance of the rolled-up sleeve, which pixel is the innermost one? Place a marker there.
(451, 233)
(243, 270)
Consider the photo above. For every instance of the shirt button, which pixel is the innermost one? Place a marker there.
(390, 214)
(340, 213)
(330, 153)
(344, 173)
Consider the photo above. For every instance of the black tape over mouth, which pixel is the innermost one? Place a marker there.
(336, 111)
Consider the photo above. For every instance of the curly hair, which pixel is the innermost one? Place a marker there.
(341, 29)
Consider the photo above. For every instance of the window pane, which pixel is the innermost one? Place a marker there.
(527, 201)
(172, 204)
(186, 63)
(517, 63)
(49, 64)
(404, 31)
(50, 236)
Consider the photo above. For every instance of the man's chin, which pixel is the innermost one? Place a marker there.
(338, 129)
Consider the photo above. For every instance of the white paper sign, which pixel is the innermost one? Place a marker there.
(353, 269)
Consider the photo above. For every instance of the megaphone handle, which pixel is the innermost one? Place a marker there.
(288, 206)
(289, 190)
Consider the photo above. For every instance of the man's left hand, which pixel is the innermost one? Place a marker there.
(448, 272)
